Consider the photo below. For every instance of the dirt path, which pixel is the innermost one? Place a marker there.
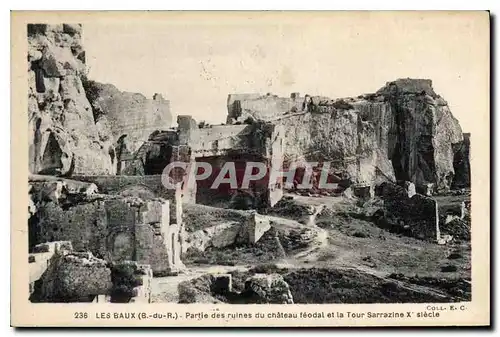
(320, 242)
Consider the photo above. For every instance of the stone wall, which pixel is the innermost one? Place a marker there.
(416, 216)
(64, 136)
(149, 186)
(129, 114)
(217, 227)
(256, 106)
(217, 145)
(114, 227)
(73, 277)
(220, 139)
(405, 131)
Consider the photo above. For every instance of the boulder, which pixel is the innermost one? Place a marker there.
(225, 234)
(268, 288)
(73, 277)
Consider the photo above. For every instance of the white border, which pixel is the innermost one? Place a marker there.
(5, 139)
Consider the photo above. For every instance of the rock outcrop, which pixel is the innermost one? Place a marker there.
(264, 288)
(404, 131)
(130, 117)
(73, 277)
(64, 137)
(425, 133)
(461, 163)
(76, 125)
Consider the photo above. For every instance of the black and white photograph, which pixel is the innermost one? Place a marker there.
(256, 158)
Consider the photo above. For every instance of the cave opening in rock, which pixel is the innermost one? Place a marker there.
(39, 75)
(156, 162)
(51, 159)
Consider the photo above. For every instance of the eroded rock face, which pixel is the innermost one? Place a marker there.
(64, 138)
(404, 131)
(131, 117)
(426, 131)
(461, 163)
(271, 289)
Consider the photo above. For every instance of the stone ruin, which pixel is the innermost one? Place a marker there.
(114, 227)
(404, 131)
(97, 154)
(406, 212)
(72, 276)
(217, 288)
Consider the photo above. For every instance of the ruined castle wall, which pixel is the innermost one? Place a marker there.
(151, 248)
(256, 106)
(218, 227)
(404, 131)
(130, 114)
(114, 228)
(83, 224)
(119, 184)
(221, 138)
(216, 132)
(158, 239)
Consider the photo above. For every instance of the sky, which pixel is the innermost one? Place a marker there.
(195, 60)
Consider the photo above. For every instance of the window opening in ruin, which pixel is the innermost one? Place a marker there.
(39, 83)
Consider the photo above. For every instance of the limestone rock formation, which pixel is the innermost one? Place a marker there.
(128, 116)
(63, 135)
(404, 131)
(461, 163)
(271, 289)
(425, 133)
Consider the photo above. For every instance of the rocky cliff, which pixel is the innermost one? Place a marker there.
(404, 131)
(461, 163)
(76, 125)
(64, 136)
(130, 116)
